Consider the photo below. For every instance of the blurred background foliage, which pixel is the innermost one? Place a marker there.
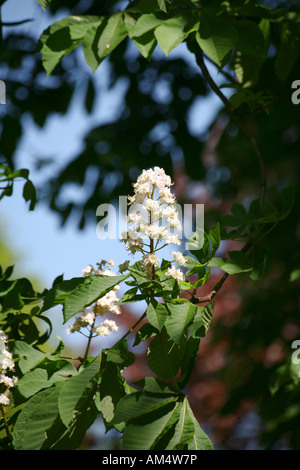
(243, 390)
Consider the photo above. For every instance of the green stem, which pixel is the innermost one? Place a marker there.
(89, 341)
(130, 330)
(5, 422)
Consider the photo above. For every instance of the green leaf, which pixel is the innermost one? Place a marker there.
(189, 359)
(259, 261)
(295, 274)
(140, 403)
(143, 432)
(73, 389)
(145, 332)
(146, 44)
(180, 316)
(170, 33)
(200, 440)
(119, 354)
(203, 245)
(184, 429)
(60, 291)
(162, 4)
(39, 378)
(101, 40)
(164, 356)
(237, 263)
(64, 36)
(154, 385)
(288, 51)
(44, 3)
(33, 382)
(29, 194)
(35, 419)
(251, 40)
(156, 314)
(89, 292)
(247, 68)
(111, 390)
(28, 357)
(216, 37)
(201, 321)
(146, 23)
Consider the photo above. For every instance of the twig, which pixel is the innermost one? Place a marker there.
(209, 297)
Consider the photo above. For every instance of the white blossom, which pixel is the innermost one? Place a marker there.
(7, 365)
(152, 189)
(4, 399)
(107, 303)
(179, 258)
(175, 273)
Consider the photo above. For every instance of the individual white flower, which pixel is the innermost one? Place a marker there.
(87, 318)
(107, 303)
(3, 337)
(88, 270)
(111, 325)
(151, 259)
(111, 262)
(175, 273)
(172, 239)
(107, 272)
(179, 258)
(105, 328)
(8, 381)
(6, 361)
(167, 196)
(4, 399)
(102, 330)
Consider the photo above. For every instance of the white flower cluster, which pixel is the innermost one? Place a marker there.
(106, 304)
(153, 216)
(7, 365)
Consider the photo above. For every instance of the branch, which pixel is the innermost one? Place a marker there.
(209, 297)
